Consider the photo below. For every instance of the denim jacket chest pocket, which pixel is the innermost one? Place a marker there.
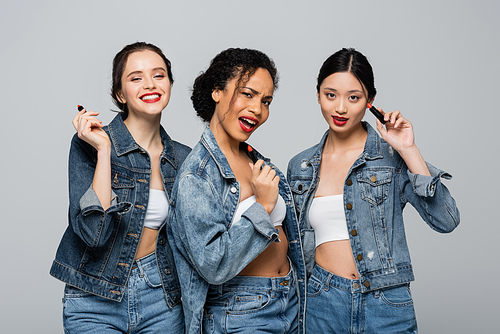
(122, 183)
(300, 186)
(374, 185)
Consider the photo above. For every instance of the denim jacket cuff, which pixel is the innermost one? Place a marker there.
(424, 185)
(261, 220)
(90, 203)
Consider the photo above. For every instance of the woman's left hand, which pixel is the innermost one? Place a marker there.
(398, 131)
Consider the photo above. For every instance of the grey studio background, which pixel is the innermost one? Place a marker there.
(436, 61)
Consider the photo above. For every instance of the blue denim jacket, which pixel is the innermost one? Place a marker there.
(208, 246)
(98, 247)
(376, 190)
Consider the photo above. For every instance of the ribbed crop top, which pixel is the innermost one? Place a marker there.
(327, 218)
(157, 209)
(277, 215)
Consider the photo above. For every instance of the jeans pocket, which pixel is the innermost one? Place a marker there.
(314, 286)
(152, 277)
(249, 301)
(399, 296)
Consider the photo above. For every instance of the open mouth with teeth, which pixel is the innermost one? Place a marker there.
(248, 124)
(151, 98)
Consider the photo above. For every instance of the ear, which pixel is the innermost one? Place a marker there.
(216, 95)
(371, 100)
(317, 95)
(121, 98)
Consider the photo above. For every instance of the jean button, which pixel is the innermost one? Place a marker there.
(355, 286)
(233, 190)
(163, 161)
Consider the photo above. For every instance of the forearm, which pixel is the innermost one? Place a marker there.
(102, 177)
(414, 161)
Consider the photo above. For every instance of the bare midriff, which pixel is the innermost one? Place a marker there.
(336, 257)
(147, 244)
(272, 262)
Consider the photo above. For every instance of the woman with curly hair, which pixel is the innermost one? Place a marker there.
(233, 228)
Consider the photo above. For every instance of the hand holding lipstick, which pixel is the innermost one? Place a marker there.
(264, 185)
(89, 129)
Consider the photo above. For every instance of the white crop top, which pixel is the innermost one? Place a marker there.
(277, 215)
(327, 218)
(157, 209)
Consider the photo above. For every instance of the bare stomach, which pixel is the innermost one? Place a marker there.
(336, 257)
(147, 244)
(272, 262)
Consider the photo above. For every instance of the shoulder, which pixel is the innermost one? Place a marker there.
(306, 155)
(182, 150)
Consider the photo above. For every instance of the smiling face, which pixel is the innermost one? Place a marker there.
(145, 84)
(343, 101)
(239, 111)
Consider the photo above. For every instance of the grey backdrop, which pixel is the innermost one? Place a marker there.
(436, 61)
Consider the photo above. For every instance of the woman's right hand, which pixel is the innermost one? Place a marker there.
(89, 129)
(264, 184)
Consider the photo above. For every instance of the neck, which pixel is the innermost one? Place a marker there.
(340, 142)
(146, 132)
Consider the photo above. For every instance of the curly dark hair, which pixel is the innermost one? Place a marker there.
(227, 65)
(119, 63)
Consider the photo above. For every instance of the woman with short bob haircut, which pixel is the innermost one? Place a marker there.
(234, 231)
(114, 258)
(349, 193)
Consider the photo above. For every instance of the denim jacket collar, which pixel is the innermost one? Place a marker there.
(124, 143)
(371, 151)
(210, 143)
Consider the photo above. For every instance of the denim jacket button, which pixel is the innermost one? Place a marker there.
(163, 161)
(354, 232)
(366, 284)
(359, 257)
(373, 178)
(233, 190)
(300, 187)
(349, 182)
(348, 206)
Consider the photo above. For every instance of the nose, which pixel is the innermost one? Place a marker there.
(149, 83)
(341, 108)
(256, 107)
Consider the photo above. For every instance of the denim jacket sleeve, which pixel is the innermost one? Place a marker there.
(87, 217)
(431, 198)
(216, 249)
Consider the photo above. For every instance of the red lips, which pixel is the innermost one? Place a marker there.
(247, 124)
(339, 121)
(150, 97)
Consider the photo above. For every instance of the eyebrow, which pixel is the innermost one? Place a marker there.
(351, 91)
(257, 92)
(139, 72)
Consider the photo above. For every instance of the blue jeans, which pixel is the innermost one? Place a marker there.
(336, 305)
(143, 308)
(249, 304)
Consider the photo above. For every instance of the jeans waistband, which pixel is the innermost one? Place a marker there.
(257, 283)
(145, 262)
(332, 280)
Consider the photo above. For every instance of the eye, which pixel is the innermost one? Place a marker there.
(354, 98)
(330, 95)
(247, 94)
(266, 103)
(159, 76)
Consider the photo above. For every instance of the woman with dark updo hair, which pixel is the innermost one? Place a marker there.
(349, 193)
(233, 229)
(114, 258)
